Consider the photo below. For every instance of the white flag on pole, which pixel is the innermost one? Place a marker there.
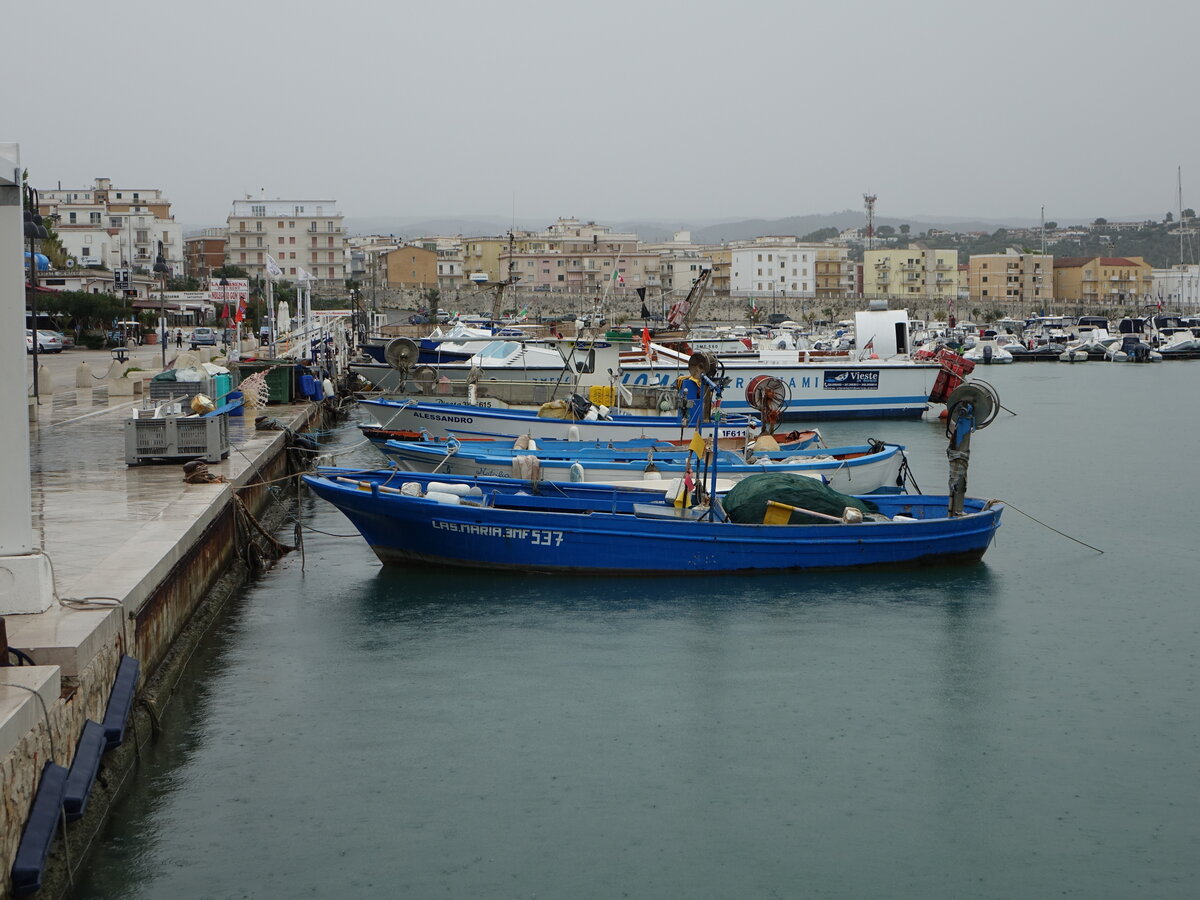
(303, 276)
(273, 270)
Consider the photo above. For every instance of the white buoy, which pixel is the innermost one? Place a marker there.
(577, 472)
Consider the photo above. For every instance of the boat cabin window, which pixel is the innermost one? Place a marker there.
(499, 350)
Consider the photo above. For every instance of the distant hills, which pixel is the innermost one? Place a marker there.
(704, 232)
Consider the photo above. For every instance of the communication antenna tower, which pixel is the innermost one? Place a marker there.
(869, 202)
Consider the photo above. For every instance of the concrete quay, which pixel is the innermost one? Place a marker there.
(136, 553)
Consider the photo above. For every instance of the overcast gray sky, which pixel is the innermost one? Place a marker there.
(675, 111)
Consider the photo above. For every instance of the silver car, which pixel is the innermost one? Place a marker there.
(48, 342)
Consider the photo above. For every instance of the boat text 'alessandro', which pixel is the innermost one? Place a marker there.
(442, 417)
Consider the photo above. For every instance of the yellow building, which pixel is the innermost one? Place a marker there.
(1102, 279)
(916, 272)
(1011, 277)
(834, 272)
(482, 255)
(411, 267)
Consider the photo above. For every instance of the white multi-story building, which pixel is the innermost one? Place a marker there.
(108, 227)
(773, 266)
(1177, 287)
(300, 235)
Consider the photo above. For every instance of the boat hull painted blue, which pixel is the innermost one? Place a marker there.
(405, 530)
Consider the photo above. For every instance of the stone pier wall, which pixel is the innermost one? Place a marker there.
(160, 635)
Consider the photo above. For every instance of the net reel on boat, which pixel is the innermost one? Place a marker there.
(402, 353)
(770, 397)
(970, 407)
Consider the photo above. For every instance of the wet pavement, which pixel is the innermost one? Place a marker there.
(112, 530)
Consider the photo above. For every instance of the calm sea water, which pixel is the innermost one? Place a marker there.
(1024, 727)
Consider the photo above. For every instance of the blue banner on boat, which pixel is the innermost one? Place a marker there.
(851, 379)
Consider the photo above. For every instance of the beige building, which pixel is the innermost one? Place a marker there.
(1011, 276)
(1103, 279)
(917, 272)
(835, 272)
(410, 267)
(449, 252)
(302, 236)
(722, 261)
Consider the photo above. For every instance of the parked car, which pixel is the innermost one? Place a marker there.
(205, 336)
(418, 319)
(443, 317)
(48, 342)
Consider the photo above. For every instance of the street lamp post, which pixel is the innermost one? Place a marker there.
(160, 268)
(34, 230)
(224, 283)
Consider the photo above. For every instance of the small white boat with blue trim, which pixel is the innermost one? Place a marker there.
(860, 469)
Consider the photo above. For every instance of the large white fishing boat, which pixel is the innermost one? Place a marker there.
(878, 379)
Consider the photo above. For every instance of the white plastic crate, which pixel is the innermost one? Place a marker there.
(176, 437)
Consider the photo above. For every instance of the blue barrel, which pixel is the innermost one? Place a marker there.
(306, 386)
(235, 397)
(318, 390)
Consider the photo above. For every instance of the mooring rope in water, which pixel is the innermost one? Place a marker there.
(1052, 528)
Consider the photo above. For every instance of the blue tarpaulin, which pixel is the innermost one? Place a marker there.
(43, 261)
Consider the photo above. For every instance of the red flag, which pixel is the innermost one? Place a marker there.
(225, 310)
(241, 311)
(646, 340)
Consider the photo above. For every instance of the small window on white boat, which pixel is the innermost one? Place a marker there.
(499, 349)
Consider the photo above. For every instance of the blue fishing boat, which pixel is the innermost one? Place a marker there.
(498, 523)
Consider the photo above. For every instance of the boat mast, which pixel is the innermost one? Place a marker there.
(1182, 229)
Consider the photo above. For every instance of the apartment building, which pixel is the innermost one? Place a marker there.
(115, 227)
(914, 272)
(301, 235)
(835, 272)
(450, 261)
(583, 267)
(410, 267)
(203, 252)
(1011, 276)
(722, 263)
(1103, 279)
(773, 266)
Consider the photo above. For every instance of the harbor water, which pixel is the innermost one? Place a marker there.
(1023, 727)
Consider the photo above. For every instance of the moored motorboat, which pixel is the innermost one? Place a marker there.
(861, 469)
(443, 420)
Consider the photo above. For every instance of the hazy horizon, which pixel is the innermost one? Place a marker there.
(621, 112)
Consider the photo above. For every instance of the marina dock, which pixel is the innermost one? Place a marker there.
(137, 554)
